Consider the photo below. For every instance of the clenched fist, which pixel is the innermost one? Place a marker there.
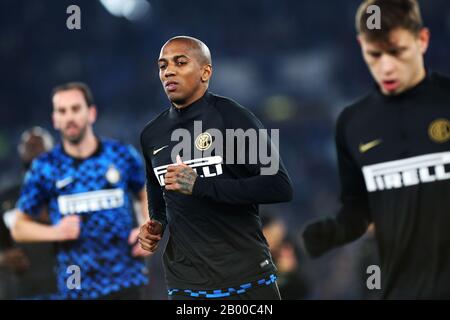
(68, 228)
(150, 234)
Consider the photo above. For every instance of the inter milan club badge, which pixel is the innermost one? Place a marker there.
(203, 141)
(112, 175)
(439, 130)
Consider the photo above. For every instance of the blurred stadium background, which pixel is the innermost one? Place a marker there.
(294, 63)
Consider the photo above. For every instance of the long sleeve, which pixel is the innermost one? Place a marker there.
(253, 190)
(156, 203)
(353, 218)
(257, 187)
(354, 215)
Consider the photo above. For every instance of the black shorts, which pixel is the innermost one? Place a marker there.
(268, 292)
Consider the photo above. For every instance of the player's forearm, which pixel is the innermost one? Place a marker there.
(325, 234)
(30, 231)
(156, 204)
(253, 190)
(142, 197)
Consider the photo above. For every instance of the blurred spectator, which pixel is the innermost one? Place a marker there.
(27, 270)
(292, 282)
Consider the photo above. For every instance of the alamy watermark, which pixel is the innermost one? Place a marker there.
(373, 21)
(73, 22)
(236, 146)
(73, 282)
(374, 280)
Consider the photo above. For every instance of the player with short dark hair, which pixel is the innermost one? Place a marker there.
(80, 86)
(393, 150)
(216, 247)
(86, 182)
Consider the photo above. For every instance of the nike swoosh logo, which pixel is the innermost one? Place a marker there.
(158, 150)
(367, 146)
(64, 182)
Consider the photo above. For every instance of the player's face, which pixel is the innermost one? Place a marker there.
(71, 115)
(181, 74)
(398, 65)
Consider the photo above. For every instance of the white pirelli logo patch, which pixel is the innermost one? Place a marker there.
(91, 201)
(407, 172)
(204, 167)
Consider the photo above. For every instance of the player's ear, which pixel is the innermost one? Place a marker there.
(207, 72)
(55, 121)
(362, 43)
(424, 39)
(359, 39)
(92, 114)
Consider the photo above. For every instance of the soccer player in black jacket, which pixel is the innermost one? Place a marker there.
(216, 248)
(393, 150)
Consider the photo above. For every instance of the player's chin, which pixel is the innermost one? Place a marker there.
(176, 96)
(73, 138)
(393, 92)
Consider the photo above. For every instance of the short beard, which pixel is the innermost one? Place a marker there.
(76, 139)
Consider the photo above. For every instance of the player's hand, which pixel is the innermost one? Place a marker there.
(180, 178)
(319, 236)
(136, 250)
(14, 260)
(68, 228)
(150, 234)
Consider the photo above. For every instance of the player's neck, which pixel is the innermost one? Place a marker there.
(84, 149)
